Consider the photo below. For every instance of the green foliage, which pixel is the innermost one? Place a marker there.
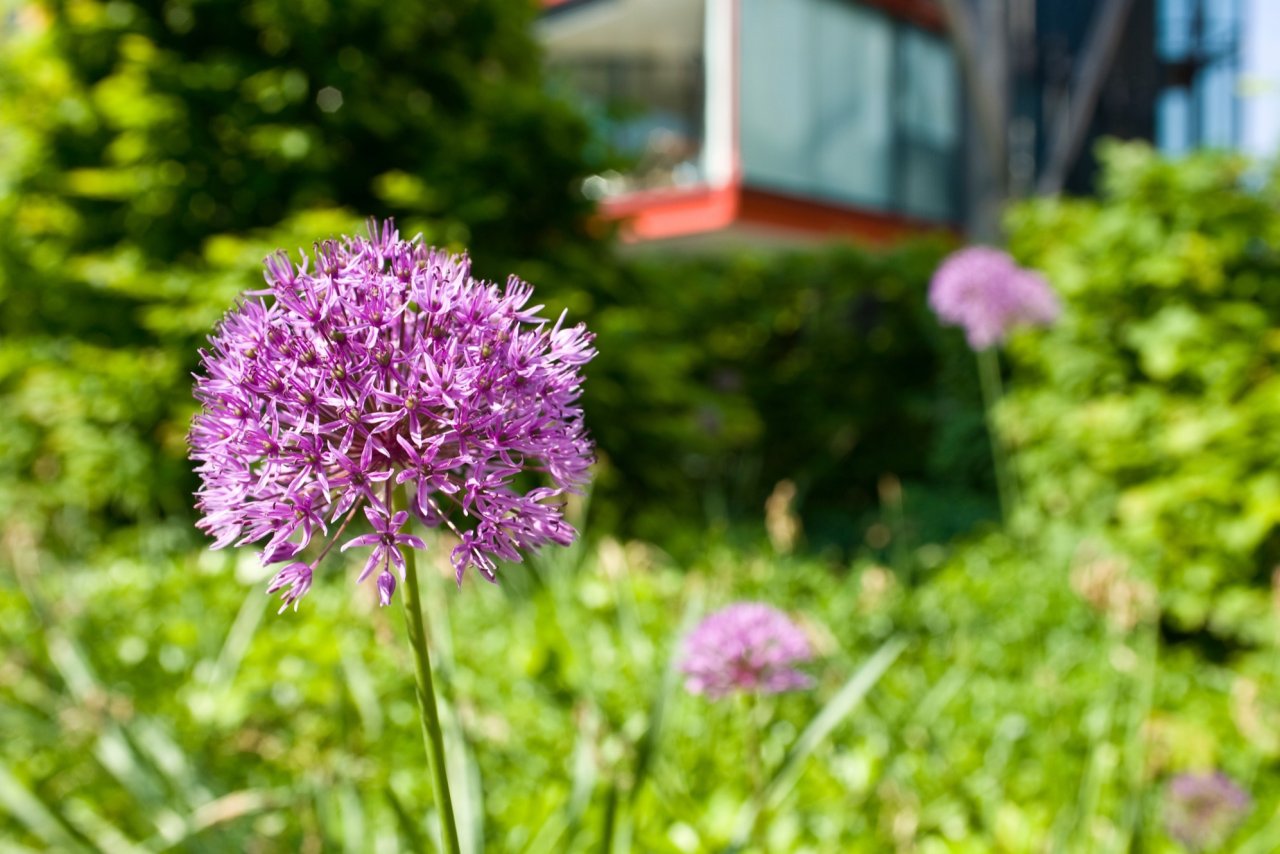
(152, 153)
(1146, 417)
(156, 698)
(154, 126)
(718, 378)
(156, 152)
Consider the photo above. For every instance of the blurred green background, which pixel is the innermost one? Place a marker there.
(1049, 676)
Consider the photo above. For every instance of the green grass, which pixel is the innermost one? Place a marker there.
(156, 702)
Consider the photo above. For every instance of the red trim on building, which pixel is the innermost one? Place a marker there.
(670, 212)
(662, 214)
(802, 215)
(923, 13)
(654, 215)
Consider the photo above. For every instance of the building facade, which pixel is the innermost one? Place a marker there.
(758, 121)
(785, 121)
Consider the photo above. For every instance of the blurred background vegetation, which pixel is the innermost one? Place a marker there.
(1122, 629)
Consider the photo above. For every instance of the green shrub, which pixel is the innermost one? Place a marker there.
(153, 154)
(720, 377)
(1148, 416)
(150, 155)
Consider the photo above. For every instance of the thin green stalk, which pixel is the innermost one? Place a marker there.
(992, 391)
(839, 707)
(753, 750)
(1147, 639)
(432, 734)
(610, 822)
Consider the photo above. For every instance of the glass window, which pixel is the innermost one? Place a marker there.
(775, 91)
(851, 133)
(1199, 43)
(636, 67)
(841, 102)
(929, 122)
(1173, 121)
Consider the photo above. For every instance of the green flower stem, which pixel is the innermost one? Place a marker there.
(430, 714)
(750, 710)
(989, 378)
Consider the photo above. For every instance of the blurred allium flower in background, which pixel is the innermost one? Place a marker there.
(982, 290)
(749, 647)
(387, 364)
(1203, 810)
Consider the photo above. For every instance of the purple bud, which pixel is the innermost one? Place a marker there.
(276, 552)
(386, 587)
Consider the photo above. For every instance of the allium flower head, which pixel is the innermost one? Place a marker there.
(381, 364)
(1203, 810)
(749, 647)
(982, 290)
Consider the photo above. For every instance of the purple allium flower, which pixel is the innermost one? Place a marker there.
(982, 290)
(748, 647)
(1203, 810)
(382, 363)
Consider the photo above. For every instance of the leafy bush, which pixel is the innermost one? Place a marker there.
(151, 154)
(718, 378)
(155, 153)
(1147, 417)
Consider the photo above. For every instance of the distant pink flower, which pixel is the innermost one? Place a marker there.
(984, 291)
(748, 647)
(1203, 810)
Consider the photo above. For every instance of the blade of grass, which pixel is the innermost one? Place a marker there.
(468, 799)
(152, 741)
(7, 847)
(239, 638)
(104, 835)
(217, 812)
(565, 824)
(411, 829)
(647, 747)
(625, 831)
(353, 823)
(364, 694)
(235, 805)
(1265, 840)
(988, 789)
(1075, 830)
(34, 815)
(1135, 752)
(113, 749)
(924, 714)
(939, 696)
(832, 714)
(608, 823)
